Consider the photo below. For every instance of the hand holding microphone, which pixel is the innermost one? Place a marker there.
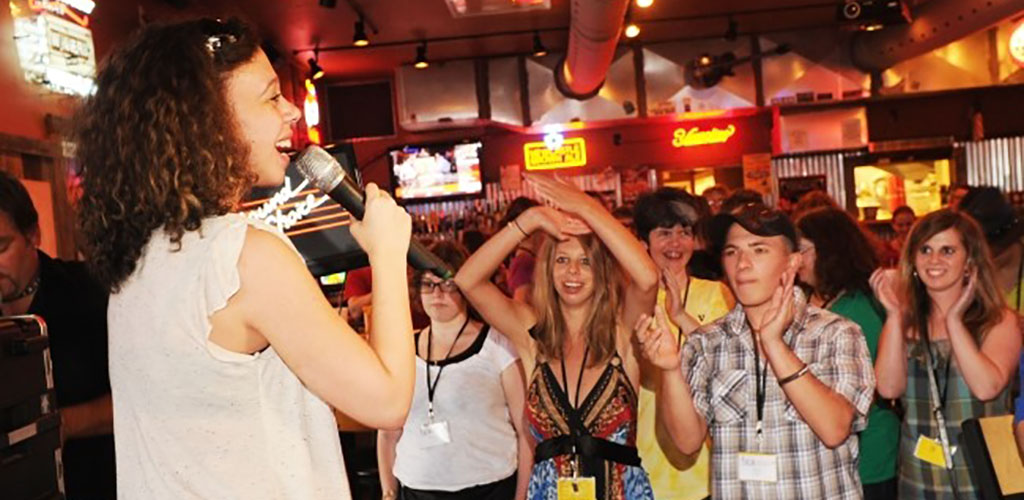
(382, 225)
(385, 227)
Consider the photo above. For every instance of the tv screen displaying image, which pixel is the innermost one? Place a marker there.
(436, 171)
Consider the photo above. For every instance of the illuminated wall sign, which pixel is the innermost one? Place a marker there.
(311, 112)
(1017, 44)
(572, 153)
(271, 213)
(54, 53)
(75, 10)
(694, 136)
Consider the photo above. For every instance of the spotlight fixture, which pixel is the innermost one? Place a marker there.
(643, 4)
(421, 56)
(733, 31)
(315, 71)
(632, 30)
(539, 50)
(359, 38)
(871, 15)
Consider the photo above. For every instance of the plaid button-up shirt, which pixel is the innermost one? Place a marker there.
(719, 364)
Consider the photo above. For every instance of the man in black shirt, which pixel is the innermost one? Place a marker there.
(74, 307)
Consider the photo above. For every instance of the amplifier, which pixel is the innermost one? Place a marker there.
(30, 447)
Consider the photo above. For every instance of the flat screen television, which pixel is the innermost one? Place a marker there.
(436, 171)
(316, 225)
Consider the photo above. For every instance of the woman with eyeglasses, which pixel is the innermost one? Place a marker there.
(465, 435)
(948, 342)
(837, 262)
(592, 279)
(225, 357)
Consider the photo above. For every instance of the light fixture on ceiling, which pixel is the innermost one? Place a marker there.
(632, 29)
(316, 72)
(643, 4)
(359, 38)
(421, 56)
(539, 50)
(732, 32)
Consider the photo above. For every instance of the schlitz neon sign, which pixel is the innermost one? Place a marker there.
(539, 156)
(694, 136)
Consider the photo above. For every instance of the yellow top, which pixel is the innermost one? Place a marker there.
(681, 477)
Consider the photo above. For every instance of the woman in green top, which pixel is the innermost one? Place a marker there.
(837, 264)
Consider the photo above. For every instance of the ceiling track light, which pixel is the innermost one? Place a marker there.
(421, 56)
(315, 71)
(643, 4)
(359, 38)
(732, 32)
(539, 50)
(632, 29)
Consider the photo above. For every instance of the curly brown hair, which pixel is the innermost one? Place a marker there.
(157, 142)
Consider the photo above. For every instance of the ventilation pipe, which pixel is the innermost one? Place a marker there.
(593, 35)
(936, 23)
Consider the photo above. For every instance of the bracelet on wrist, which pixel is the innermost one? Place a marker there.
(515, 223)
(799, 373)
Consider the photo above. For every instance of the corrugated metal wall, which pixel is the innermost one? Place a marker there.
(828, 164)
(996, 162)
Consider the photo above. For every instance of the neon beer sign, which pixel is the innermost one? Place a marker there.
(694, 136)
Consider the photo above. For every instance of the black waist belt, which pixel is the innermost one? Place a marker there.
(592, 451)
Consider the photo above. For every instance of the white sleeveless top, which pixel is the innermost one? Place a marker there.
(470, 398)
(194, 420)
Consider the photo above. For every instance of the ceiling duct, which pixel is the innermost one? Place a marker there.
(937, 23)
(593, 37)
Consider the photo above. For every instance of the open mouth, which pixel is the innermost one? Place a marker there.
(572, 286)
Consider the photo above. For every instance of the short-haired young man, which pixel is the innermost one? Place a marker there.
(781, 386)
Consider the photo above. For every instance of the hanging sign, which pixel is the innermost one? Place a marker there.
(694, 136)
(572, 153)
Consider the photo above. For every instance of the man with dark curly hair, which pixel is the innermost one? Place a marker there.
(74, 307)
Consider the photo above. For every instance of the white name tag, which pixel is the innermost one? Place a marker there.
(435, 434)
(758, 467)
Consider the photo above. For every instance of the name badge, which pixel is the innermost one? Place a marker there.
(435, 434)
(577, 488)
(930, 450)
(761, 467)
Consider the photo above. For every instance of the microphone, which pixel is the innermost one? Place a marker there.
(324, 172)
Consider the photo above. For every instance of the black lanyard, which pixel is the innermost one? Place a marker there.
(934, 366)
(686, 298)
(575, 405)
(431, 389)
(1020, 276)
(760, 386)
(575, 422)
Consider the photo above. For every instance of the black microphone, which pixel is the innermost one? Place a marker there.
(324, 172)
